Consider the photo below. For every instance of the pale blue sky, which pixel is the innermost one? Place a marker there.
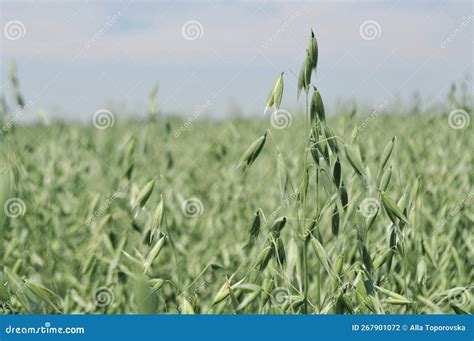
(237, 56)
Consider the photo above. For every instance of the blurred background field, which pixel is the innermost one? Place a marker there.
(74, 220)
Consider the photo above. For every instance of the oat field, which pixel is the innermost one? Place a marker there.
(310, 212)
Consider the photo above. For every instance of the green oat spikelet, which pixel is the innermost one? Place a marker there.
(252, 153)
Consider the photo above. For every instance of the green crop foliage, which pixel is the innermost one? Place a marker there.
(331, 214)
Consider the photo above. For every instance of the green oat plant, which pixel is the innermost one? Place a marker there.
(341, 213)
